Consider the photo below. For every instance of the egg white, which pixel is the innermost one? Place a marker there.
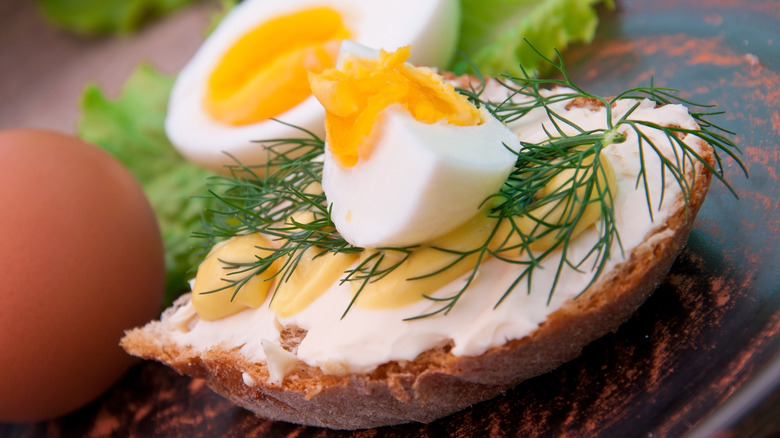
(429, 26)
(420, 181)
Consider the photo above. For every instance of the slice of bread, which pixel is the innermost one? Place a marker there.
(437, 382)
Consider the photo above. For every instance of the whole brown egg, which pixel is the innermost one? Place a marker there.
(81, 260)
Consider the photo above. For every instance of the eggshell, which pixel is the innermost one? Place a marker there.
(81, 260)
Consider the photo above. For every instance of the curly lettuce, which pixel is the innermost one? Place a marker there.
(493, 33)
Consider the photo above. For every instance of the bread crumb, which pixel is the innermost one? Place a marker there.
(280, 361)
(248, 380)
(183, 316)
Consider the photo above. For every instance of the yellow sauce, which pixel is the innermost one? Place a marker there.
(419, 271)
(214, 296)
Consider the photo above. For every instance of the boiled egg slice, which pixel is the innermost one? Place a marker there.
(252, 69)
(407, 158)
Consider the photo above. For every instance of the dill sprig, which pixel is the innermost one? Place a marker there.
(527, 93)
(253, 198)
(283, 198)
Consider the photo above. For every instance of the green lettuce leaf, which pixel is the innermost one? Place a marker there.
(131, 129)
(492, 32)
(94, 17)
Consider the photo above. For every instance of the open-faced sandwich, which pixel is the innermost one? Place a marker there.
(448, 238)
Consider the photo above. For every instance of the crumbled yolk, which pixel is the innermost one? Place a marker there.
(355, 95)
(265, 72)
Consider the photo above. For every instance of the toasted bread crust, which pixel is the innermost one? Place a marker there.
(437, 382)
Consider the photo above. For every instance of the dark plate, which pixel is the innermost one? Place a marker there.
(700, 357)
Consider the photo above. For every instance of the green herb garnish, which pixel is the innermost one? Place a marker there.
(259, 199)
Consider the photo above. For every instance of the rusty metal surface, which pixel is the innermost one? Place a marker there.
(700, 357)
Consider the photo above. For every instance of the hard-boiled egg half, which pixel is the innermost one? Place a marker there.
(407, 158)
(252, 69)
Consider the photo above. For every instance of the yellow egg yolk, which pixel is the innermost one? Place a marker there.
(265, 72)
(355, 95)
